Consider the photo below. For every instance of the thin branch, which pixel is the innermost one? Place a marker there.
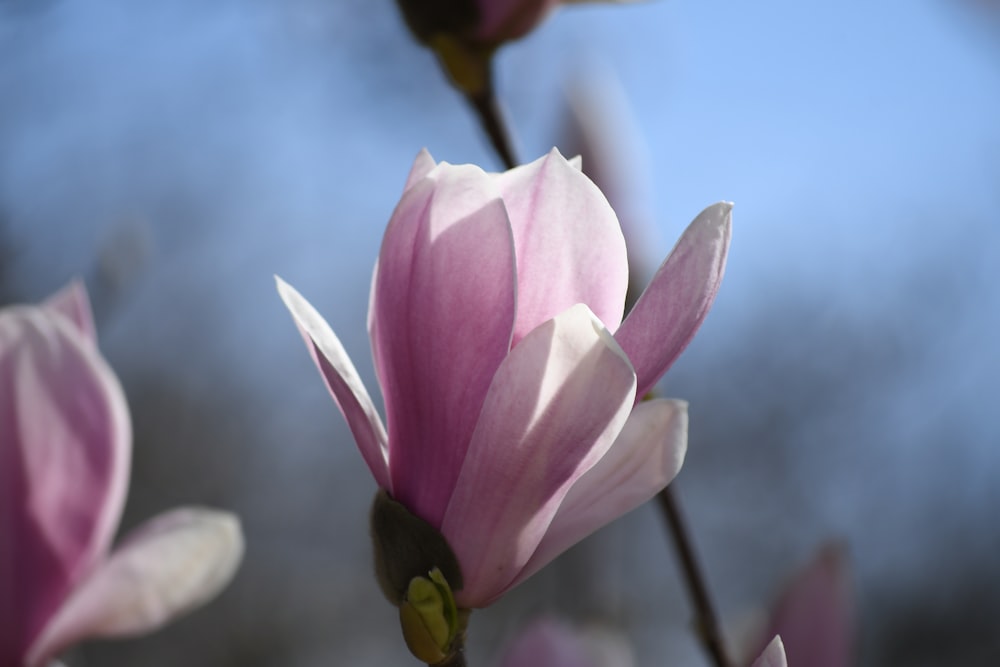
(491, 118)
(706, 620)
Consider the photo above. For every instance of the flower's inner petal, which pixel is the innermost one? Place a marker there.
(444, 309)
(343, 381)
(555, 406)
(168, 566)
(669, 312)
(65, 442)
(569, 245)
(645, 457)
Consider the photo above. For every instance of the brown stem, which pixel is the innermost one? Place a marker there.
(485, 105)
(456, 659)
(706, 620)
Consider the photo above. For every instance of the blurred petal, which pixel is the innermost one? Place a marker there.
(65, 440)
(171, 564)
(815, 614)
(547, 643)
(645, 457)
(444, 309)
(342, 380)
(553, 410)
(569, 245)
(774, 655)
(669, 312)
(73, 303)
(422, 165)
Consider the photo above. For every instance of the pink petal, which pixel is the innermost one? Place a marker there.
(73, 303)
(774, 655)
(171, 564)
(815, 614)
(422, 165)
(553, 410)
(65, 441)
(343, 381)
(568, 241)
(669, 312)
(644, 458)
(444, 309)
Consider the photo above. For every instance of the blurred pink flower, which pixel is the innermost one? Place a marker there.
(65, 441)
(505, 20)
(510, 381)
(815, 613)
(548, 642)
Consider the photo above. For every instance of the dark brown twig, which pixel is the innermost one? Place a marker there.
(491, 118)
(706, 620)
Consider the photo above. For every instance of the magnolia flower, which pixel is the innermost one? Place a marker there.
(511, 385)
(547, 642)
(65, 440)
(465, 33)
(815, 612)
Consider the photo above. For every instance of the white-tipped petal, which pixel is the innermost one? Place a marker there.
(343, 381)
(171, 564)
(773, 655)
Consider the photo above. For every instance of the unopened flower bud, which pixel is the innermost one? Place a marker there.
(429, 617)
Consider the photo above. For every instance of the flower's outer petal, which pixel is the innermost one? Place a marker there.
(815, 614)
(773, 655)
(444, 310)
(73, 303)
(343, 381)
(576, 162)
(645, 457)
(65, 444)
(569, 245)
(173, 563)
(422, 165)
(675, 303)
(554, 408)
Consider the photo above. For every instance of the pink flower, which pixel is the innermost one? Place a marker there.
(510, 383)
(815, 613)
(548, 642)
(65, 440)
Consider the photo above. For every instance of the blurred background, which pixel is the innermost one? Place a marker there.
(177, 154)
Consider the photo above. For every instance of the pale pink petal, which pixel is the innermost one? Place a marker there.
(553, 410)
(444, 310)
(547, 643)
(422, 165)
(815, 614)
(774, 656)
(73, 303)
(343, 381)
(669, 312)
(65, 440)
(569, 245)
(644, 458)
(173, 563)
